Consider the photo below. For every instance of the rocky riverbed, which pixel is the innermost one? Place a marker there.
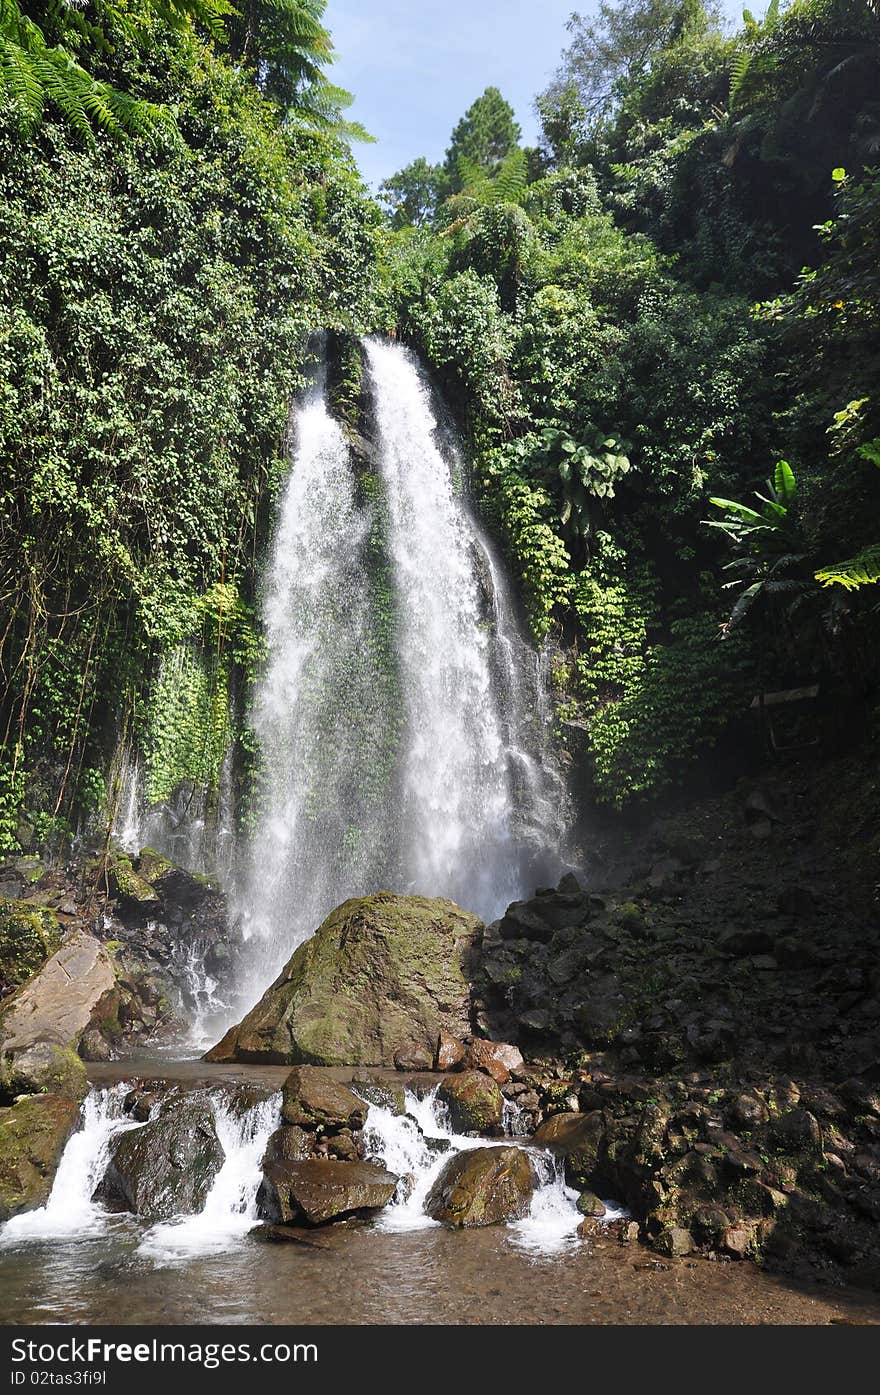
(690, 1029)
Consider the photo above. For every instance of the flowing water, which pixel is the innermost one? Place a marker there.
(71, 1261)
(401, 716)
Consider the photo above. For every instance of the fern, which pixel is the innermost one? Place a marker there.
(861, 570)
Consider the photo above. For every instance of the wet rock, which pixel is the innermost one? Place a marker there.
(384, 974)
(577, 1140)
(288, 1144)
(450, 1052)
(312, 1099)
(413, 1058)
(474, 1101)
(482, 1186)
(675, 1240)
(166, 1167)
(589, 1204)
(740, 942)
(496, 1058)
(317, 1191)
(33, 1134)
(520, 922)
(387, 1094)
(140, 1104)
(134, 895)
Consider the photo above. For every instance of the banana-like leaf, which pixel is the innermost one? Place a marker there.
(785, 483)
(742, 511)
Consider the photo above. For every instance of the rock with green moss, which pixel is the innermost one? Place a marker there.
(482, 1186)
(29, 935)
(380, 978)
(33, 1133)
(577, 1139)
(474, 1101)
(41, 1024)
(152, 864)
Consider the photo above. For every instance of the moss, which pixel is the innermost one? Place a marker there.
(29, 935)
(126, 884)
(152, 865)
(33, 1133)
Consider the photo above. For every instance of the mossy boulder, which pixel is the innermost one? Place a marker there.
(132, 891)
(482, 1186)
(29, 935)
(33, 1134)
(380, 978)
(474, 1101)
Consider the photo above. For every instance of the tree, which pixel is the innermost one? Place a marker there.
(609, 52)
(486, 133)
(412, 194)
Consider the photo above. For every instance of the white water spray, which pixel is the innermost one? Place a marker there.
(70, 1212)
(230, 1208)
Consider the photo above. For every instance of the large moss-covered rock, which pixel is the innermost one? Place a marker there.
(33, 1133)
(482, 1186)
(42, 1023)
(320, 1190)
(474, 1101)
(165, 1168)
(380, 978)
(28, 936)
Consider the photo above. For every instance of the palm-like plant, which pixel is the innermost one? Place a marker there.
(767, 541)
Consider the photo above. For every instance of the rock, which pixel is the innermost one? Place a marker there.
(577, 1139)
(33, 1134)
(474, 1101)
(798, 1128)
(590, 1227)
(140, 1104)
(675, 1240)
(288, 1144)
(589, 1205)
(413, 1058)
(738, 1241)
(312, 1099)
(449, 1053)
(482, 1186)
(319, 1190)
(166, 1167)
(383, 975)
(387, 1094)
(749, 1112)
(133, 894)
(28, 936)
(41, 1024)
(496, 1058)
(739, 942)
(519, 922)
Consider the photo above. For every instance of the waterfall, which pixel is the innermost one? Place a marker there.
(320, 711)
(472, 833)
(70, 1210)
(417, 1144)
(230, 1208)
(401, 717)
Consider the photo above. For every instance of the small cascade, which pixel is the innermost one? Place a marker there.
(417, 1144)
(70, 1212)
(230, 1209)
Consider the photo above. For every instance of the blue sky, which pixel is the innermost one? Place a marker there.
(415, 66)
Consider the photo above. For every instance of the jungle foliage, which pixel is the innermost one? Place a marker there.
(157, 293)
(676, 291)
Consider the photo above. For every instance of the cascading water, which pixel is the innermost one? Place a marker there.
(473, 828)
(230, 1208)
(416, 1146)
(229, 1211)
(320, 711)
(70, 1211)
(401, 717)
